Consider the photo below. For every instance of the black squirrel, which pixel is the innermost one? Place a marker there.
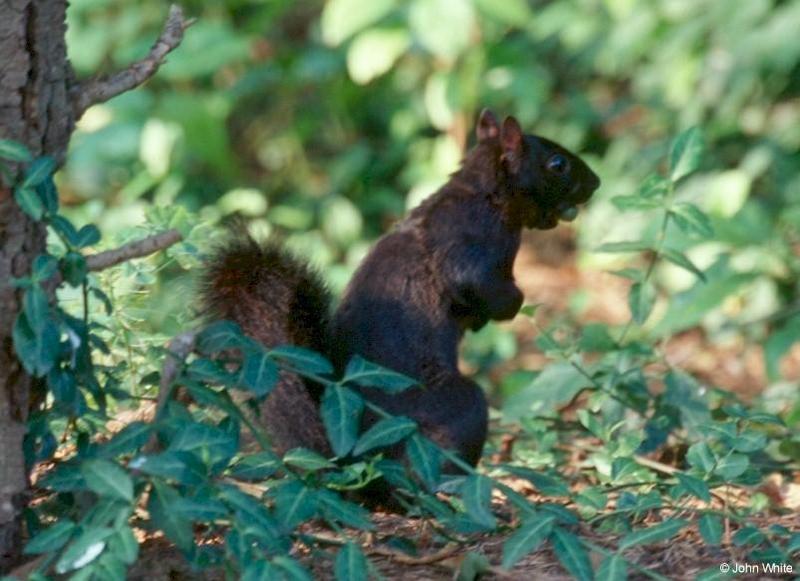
(444, 269)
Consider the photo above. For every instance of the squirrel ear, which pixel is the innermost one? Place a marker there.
(511, 139)
(487, 128)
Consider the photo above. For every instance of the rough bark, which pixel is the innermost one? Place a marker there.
(39, 103)
(35, 110)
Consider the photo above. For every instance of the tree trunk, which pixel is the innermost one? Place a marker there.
(35, 110)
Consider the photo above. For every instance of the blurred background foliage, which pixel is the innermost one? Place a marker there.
(326, 121)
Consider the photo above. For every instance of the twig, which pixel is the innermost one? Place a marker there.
(102, 88)
(136, 249)
(177, 351)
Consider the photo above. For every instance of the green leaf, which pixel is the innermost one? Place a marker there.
(624, 246)
(36, 308)
(641, 299)
(686, 153)
(367, 374)
(292, 569)
(341, 411)
(710, 527)
(44, 266)
(351, 564)
(52, 538)
(374, 52)
(64, 228)
(307, 460)
(335, 508)
(29, 201)
(654, 534)
(89, 235)
(259, 373)
(700, 456)
(107, 479)
(220, 336)
(294, 503)
(695, 486)
(476, 492)
(731, 466)
(613, 568)
(302, 359)
(211, 443)
(425, 459)
(129, 439)
(692, 220)
(526, 539)
(73, 267)
(636, 202)
(570, 552)
(160, 506)
(341, 19)
(83, 550)
(547, 484)
(443, 27)
(123, 545)
(386, 432)
(14, 151)
(654, 186)
(473, 566)
(679, 259)
(256, 466)
(208, 371)
(182, 467)
(511, 12)
(748, 535)
(38, 171)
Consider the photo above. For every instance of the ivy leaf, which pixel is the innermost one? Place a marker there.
(256, 466)
(29, 201)
(710, 527)
(52, 538)
(368, 374)
(731, 466)
(219, 336)
(695, 486)
(44, 266)
(307, 460)
(641, 299)
(107, 479)
(160, 506)
(692, 220)
(351, 564)
(83, 550)
(129, 439)
(571, 553)
(386, 432)
(660, 532)
(335, 508)
(36, 308)
(302, 359)
(341, 411)
(182, 467)
(294, 503)
(14, 151)
(38, 171)
(700, 456)
(425, 459)
(680, 259)
(476, 492)
(613, 568)
(259, 373)
(73, 267)
(686, 153)
(526, 539)
(89, 235)
(624, 246)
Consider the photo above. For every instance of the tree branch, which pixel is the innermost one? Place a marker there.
(136, 249)
(102, 88)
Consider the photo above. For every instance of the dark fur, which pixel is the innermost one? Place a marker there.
(444, 269)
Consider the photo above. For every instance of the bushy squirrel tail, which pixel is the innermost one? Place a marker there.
(276, 299)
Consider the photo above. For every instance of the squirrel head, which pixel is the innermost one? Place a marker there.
(546, 181)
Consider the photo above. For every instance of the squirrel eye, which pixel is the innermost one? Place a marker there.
(558, 164)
